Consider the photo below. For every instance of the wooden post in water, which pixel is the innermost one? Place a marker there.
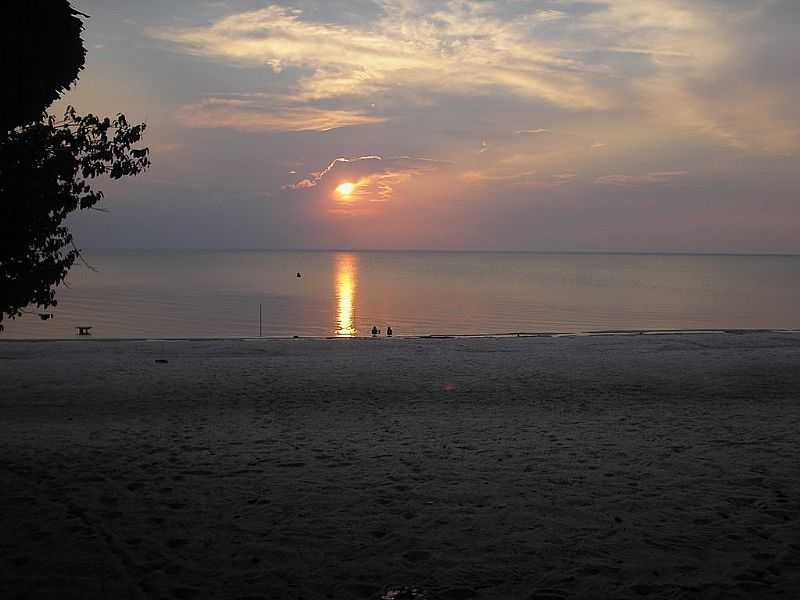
(259, 319)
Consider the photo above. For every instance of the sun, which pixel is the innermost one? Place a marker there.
(346, 189)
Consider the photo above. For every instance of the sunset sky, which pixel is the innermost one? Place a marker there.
(623, 125)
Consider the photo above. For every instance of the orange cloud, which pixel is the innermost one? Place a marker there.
(374, 178)
(660, 56)
(647, 178)
(476, 50)
(249, 116)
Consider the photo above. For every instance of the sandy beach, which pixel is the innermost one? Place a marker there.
(650, 466)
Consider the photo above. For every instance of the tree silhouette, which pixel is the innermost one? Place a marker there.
(42, 56)
(46, 165)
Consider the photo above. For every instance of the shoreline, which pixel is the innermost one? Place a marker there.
(432, 336)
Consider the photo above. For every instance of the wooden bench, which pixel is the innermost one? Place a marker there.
(83, 330)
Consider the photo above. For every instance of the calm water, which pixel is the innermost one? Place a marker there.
(209, 294)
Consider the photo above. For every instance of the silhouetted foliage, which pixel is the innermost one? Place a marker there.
(46, 165)
(42, 54)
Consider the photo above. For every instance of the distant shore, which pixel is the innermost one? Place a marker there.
(607, 465)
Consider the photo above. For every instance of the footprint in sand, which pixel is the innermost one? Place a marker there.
(405, 593)
(20, 561)
(363, 590)
(416, 555)
(459, 594)
(379, 533)
(185, 593)
(547, 595)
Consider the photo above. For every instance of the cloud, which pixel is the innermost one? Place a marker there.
(752, 119)
(489, 175)
(671, 31)
(531, 131)
(562, 178)
(550, 15)
(646, 179)
(459, 48)
(675, 61)
(374, 178)
(526, 179)
(250, 116)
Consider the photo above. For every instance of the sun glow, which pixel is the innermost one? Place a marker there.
(346, 190)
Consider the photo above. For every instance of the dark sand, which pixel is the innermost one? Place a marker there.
(600, 467)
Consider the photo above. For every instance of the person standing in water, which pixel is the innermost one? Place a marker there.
(389, 331)
(375, 331)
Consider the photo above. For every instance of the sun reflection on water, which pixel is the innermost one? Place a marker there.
(346, 280)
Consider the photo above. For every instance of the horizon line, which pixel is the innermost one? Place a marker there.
(445, 251)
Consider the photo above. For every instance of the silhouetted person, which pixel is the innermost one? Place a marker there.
(298, 274)
(374, 331)
(389, 331)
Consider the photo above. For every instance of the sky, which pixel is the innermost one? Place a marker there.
(548, 125)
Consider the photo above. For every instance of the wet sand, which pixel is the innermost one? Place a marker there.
(533, 468)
